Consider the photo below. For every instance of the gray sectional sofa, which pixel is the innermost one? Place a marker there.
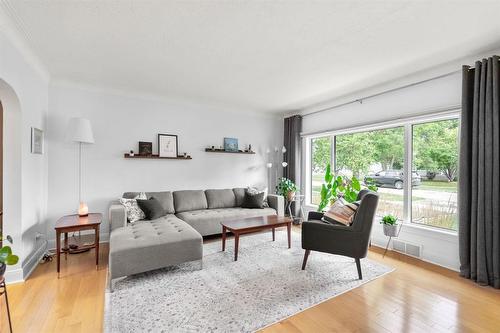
(176, 237)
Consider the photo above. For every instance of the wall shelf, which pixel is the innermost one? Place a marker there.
(210, 150)
(155, 156)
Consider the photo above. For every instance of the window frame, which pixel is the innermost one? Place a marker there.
(407, 124)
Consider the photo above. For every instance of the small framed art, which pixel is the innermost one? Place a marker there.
(36, 141)
(230, 144)
(167, 145)
(145, 148)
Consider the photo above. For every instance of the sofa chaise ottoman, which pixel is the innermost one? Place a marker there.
(176, 237)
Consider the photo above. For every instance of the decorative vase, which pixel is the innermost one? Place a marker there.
(390, 230)
(290, 196)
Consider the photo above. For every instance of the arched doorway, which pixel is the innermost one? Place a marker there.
(11, 171)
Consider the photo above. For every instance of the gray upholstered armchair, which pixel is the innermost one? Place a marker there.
(351, 241)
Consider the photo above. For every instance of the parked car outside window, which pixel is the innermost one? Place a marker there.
(392, 178)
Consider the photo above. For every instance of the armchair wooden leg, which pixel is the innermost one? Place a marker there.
(306, 255)
(358, 266)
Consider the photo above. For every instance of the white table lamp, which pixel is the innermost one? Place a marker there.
(80, 130)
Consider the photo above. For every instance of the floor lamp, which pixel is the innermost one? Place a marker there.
(80, 131)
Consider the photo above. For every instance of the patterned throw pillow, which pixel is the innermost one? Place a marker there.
(134, 213)
(341, 212)
(254, 190)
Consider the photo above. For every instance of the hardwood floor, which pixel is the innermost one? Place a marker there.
(416, 297)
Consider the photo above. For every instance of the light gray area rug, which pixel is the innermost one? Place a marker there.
(264, 286)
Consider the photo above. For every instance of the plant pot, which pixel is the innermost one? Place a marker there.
(290, 196)
(390, 230)
(2, 269)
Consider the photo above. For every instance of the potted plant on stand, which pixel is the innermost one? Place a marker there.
(287, 189)
(390, 224)
(7, 257)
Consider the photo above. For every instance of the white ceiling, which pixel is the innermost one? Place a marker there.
(262, 55)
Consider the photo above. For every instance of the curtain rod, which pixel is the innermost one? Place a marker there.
(360, 100)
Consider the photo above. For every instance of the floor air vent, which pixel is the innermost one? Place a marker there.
(407, 248)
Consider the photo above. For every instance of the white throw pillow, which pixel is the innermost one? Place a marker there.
(134, 213)
(254, 190)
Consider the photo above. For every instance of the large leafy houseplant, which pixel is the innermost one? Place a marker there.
(6, 256)
(339, 186)
(286, 187)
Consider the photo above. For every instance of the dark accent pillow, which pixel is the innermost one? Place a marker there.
(152, 208)
(253, 200)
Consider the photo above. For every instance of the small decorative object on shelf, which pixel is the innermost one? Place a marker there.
(155, 156)
(231, 144)
(218, 150)
(249, 147)
(145, 148)
(185, 155)
(131, 153)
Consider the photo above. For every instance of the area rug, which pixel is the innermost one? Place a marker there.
(264, 286)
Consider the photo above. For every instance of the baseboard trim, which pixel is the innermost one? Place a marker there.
(14, 276)
(33, 261)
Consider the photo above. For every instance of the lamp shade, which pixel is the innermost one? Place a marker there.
(80, 130)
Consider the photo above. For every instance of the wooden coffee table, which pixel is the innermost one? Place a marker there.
(253, 224)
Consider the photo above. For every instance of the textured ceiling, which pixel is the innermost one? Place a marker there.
(267, 56)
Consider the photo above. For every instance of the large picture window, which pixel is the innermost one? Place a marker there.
(426, 148)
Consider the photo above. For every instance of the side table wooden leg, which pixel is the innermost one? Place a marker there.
(236, 245)
(66, 246)
(274, 237)
(223, 239)
(97, 247)
(58, 251)
(289, 232)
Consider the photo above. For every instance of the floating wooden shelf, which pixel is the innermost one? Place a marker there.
(158, 157)
(210, 150)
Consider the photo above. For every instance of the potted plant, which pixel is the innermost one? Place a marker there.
(286, 188)
(390, 224)
(336, 187)
(7, 257)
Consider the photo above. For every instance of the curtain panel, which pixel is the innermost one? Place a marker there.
(291, 141)
(479, 174)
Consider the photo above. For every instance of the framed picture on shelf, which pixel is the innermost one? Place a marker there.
(167, 145)
(230, 144)
(145, 148)
(36, 141)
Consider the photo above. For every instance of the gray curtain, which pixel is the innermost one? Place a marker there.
(479, 192)
(291, 141)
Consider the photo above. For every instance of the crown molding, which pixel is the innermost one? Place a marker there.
(208, 105)
(15, 30)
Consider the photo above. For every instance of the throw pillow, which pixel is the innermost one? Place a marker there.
(134, 213)
(152, 208)
(254, 190)
(253, 200)
(341, 212)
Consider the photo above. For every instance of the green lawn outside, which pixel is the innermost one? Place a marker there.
(441, 186)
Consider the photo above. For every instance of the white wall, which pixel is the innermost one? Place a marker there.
(120, 121)
(24, 94)
(437, 247)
